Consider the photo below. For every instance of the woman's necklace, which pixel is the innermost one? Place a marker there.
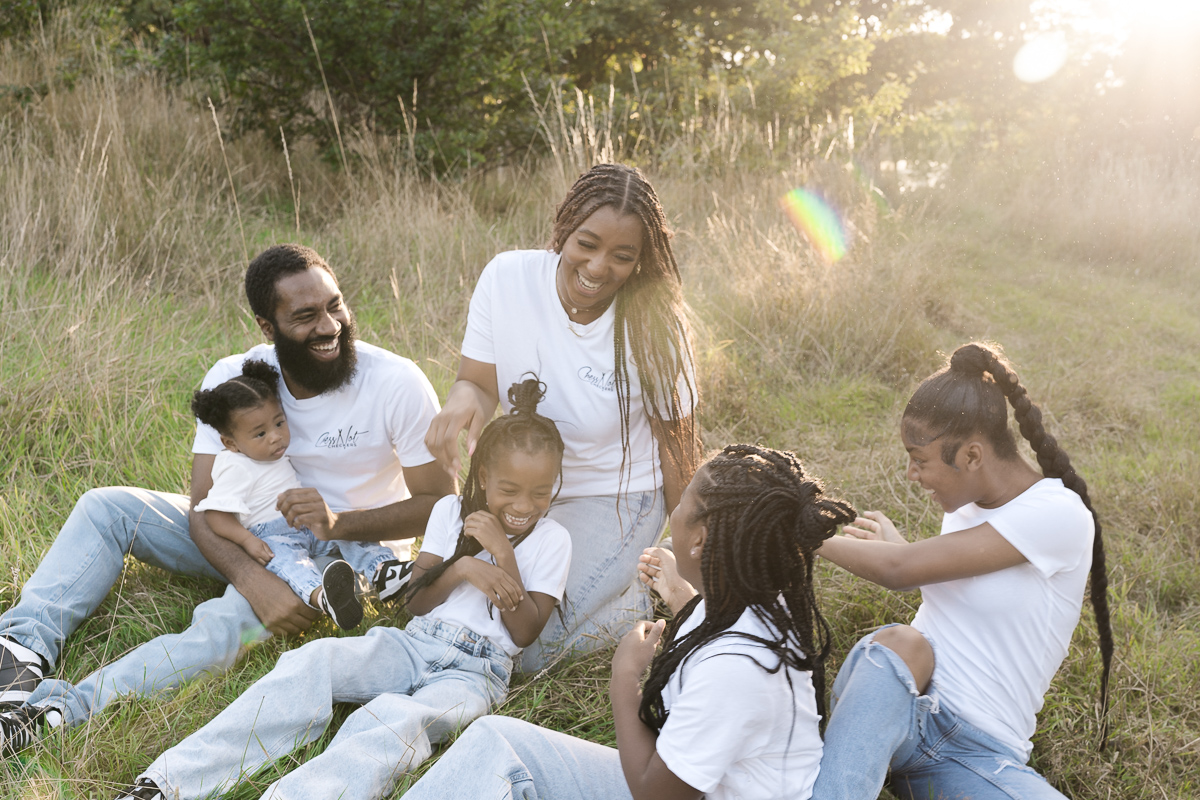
(573, 309)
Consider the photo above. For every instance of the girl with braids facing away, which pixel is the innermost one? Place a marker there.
(949, 703)
(600, 316)
(732, 703)
(490, 571)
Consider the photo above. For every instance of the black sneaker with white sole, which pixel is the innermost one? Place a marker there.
(21, 670)
(337, 597)
(21, 727)
(391, 578)
(144, 789)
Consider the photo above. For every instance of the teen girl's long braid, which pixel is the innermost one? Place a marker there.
(521, 430)
(765, 519)
(1055, 464)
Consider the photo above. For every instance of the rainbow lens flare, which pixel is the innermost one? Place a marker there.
(819, 223)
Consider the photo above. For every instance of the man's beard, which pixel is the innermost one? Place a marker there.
(301, 366)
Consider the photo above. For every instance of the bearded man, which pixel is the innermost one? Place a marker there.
(358, 416)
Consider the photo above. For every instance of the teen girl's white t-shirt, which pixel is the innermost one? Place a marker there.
(517, 322)
(999, 638)
(543, 557)
(248, 488)
(352, 445)
(734, 730)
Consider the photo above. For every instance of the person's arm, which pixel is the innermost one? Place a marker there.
(225, 524)
(469, 406)
(679, 455)
(275, 604)
(874, 550)
(645, 773)
(428, 483)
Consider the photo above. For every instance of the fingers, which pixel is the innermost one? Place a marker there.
(473, 432)
(655, 631)
(442, 438)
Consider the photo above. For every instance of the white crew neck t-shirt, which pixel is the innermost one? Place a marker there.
(543, 558)
(517, 323)
(352, 445)
(1000, 637)
(248, 488)
(734, 730)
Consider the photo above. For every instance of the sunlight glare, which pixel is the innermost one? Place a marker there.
(1040, 57)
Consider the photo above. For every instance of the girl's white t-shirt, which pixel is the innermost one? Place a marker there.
(517, 322)
(999, 638)
(734, 730)
(248, 488)
(543, 558)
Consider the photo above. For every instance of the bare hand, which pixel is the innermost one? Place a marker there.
(636, 650)
(658, 573)
(461, 412)
(497, 585)
(874, 525)
(305, 508)
(277, 606)
(259, 550)
(484, 527)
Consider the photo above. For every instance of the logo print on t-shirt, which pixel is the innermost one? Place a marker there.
(340, 440)
(604, 381)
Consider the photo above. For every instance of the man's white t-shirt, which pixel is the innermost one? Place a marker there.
(352, 445)
(248, 488)
(999, 638)
(543, 557)
(517, 322)
(734, 730)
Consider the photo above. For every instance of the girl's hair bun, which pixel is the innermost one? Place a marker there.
(972, 359)
(526, 395)
(261, 371)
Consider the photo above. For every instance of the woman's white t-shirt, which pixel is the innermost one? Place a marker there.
(517, 322)
(543, 558)
(999, 638)
(734, 730)
(248, 488)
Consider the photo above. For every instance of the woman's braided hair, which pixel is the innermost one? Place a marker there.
(521, 430)
(258, 383)
(765, 519)
(650, 323)
(968, 397)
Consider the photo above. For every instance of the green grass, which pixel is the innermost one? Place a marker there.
(120, 269)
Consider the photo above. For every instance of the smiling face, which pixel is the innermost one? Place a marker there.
(313, 332)
(948, 485)
(518, 487)
(597, 260)
(260, 433)
(689, 532)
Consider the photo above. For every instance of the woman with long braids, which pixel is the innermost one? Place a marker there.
(599, 315)
(733, 701)
(950, 702)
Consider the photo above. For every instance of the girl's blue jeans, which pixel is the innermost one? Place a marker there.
(880, 721)
(294, 550)
(415, 687)
(499, 758)
(603, 598)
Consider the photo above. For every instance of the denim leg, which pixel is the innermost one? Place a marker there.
(500, 758)
(220, 628)
(87, 557)
(364, 557)
(603, 598)
(396, 732)
(293, 562)
(875, 714)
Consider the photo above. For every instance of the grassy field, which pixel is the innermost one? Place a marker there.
(122, 249)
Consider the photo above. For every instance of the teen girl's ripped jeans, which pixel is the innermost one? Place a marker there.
(878, 720)
(603, 598)
(81, 567)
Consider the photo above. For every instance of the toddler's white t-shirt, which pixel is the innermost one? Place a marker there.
(999, 638)
(734, 730)
(543, 557)
(248, 488)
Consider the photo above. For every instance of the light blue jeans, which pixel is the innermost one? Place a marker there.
(499, 758)
(878, 720)
(81, 567)
(295, 549)
(603, 598)
(416, 687)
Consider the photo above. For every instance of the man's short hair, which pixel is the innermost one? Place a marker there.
(265, 271)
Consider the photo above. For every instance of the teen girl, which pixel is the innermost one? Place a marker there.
(949, 703)
(248, 477)
(599, 314)
(490, 571)
(732, 703)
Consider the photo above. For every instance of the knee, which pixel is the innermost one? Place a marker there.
(912, 646)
